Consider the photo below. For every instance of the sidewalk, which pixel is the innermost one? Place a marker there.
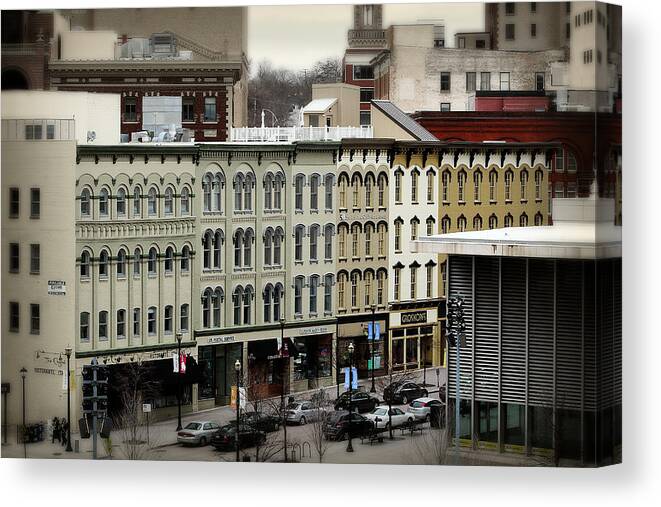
(163, 433)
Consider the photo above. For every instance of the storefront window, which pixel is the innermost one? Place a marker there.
(487, 421)
(541, 427)
(464, 419)
(514, 424)
(205, 361)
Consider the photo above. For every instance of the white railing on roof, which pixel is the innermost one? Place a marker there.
(290, 134)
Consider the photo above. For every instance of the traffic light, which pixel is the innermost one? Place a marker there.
(95, 388)
(454, 322)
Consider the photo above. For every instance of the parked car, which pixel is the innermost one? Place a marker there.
(301, 412)
(382, 419)
(225, 438)
(403, 392)
(421, 407)
(360, 400)
(261, 421)
(197, 433)
(339, 423)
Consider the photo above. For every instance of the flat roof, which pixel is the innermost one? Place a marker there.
(567, 240)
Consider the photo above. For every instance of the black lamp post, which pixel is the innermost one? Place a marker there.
(282, 387)
(25, 449)
(237, 368)
(179, 336)
(373, 389)
(350, 348)
(68, 351)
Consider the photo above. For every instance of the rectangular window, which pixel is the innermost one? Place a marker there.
(50, 131)
(430, 280)
(136, 322)
(84, 326)
(567, 30)
(485, 81)
(540, 77)
(121, 323)
(365, 118)
(471, 81)
(414, 280)
(34, 319)
(559, 189)
(33, 132)
(183, 319)
(445, 107)
(510, 8)
(504, 81)
(533, 30)
(445, 81)
(130, 109)
(34, 259)
(210, 109)
(396, 284)
(533, 6)
(151, 320)
(14, 316)
(571, 189)
(366, 94)
(363, 72)
(462, 42)
(14, 202)
(509, 31)
(103, 325)
(480, 44)
(168, 317)
(14, 257)
(188, 109)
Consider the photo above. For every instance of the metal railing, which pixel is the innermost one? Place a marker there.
(21, 48)
(38, 130)
(290, 134)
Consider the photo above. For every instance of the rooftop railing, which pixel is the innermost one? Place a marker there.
(290, 134)
(38, 130)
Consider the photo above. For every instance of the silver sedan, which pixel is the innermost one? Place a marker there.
(301, 412)
(197, 433)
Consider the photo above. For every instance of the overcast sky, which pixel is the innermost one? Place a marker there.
(297, 36)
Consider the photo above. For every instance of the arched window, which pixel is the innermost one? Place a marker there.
(341, 285)
(328, 241)
(268, 191)
(277, 302)
(445, 180)
(523, 220)
(121, 202)
(168, 319)
(151, 202)
(445, 224)
(461, 186)
(121, 263)
(328, 191)
(247, 305)
(85, 208)
(355, 235)
(137, 261)
(414, 185)
(415, 222)
(237, 298)
(137, 201)
(217, 193)
(151, 320)
(369, 230)
(206, 308)
(354, 289)
(524, 185)
(185, 201)
(493, 222)
(369, 185)
(493, 182)
(314, 241)
(398, 234)
(168, 204)
(539, 219)
(277, 191)
(298, 242)
(278, 238)
(397, 280)
(218, 240)
(509, 176)
(206, 250)
(539, 178)
(477, 223)
(380, 286)
(151, 261)
(572, 165)
(431, 178)
(398, 186)
(238, 192)
(268, 297)
(103, 202)
(104, 264)
(314, 289)
(509, 220)
(84, 326)
(247, 248)
(268, 247)
(217, 300)
(298, 295)
(431, 221)
(328, 294)
(343, 184)
(103, 325)
(185, 259)
(168, 264)
(382, 229)
(247, 189)
(206, 191)
(299, 182)
(369, 284)
(314, 192)
(238, 246)
(85, 264)
(183, 318)
(355, 189)
(342, 241)
(382, 182)
(461, 223)
(477, 186)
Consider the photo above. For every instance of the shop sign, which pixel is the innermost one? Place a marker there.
(221, 339)
(414, 317)
(314, 330)
(49, 371)
(57, 288)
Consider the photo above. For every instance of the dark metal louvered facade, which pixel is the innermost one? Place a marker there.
(541, 362)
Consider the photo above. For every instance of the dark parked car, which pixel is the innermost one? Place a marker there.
(225, 439)
(361, 401)
(403, 392)
(261, 421)
(338, 424)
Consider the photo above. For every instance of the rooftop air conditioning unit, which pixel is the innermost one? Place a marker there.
(163, 44)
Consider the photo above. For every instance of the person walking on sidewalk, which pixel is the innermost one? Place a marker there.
(56, 430)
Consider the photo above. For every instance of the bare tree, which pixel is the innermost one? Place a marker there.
(315, 429)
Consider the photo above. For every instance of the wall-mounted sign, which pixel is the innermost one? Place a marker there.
(414, 317)
(220, 339)
(57, 288)
(313, 330)
(49, 371)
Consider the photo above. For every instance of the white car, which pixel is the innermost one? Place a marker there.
(421, 407)
(301, 412)
(197, 433)
(381, 419)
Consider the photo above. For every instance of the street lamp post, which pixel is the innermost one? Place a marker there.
(373, 389)
(179, 337)
(350, 348)
(68, 351)
(282, 387)
(25, 449)
(237, 368)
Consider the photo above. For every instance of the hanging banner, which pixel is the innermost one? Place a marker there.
(175, 363)
(354, 378)
(376, 335)
(182, 362)
(65, 381)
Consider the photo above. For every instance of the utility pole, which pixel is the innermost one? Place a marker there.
(455, 332)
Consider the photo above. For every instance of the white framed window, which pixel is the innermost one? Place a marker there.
(151, 320)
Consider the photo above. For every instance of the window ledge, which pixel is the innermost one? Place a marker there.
(314, 211)
(314, 261)
(312, 314)
(369, 257)
(414, 201)
(121, 277)
(538, 200)
(381, 257)
(298, 263)
(342, 259)
(33, 217)
(354, 259)
(477, 202)
(328, 210)
(492, 201)
(461, 203)
(446, 203)
(103, 278)
(85, 279)
(508, 201)
(382, 208)
(524, 201)
(398, 203)
(152, 275)
(298, 212)
(369, 208)
(356, 210)
(328, 261)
